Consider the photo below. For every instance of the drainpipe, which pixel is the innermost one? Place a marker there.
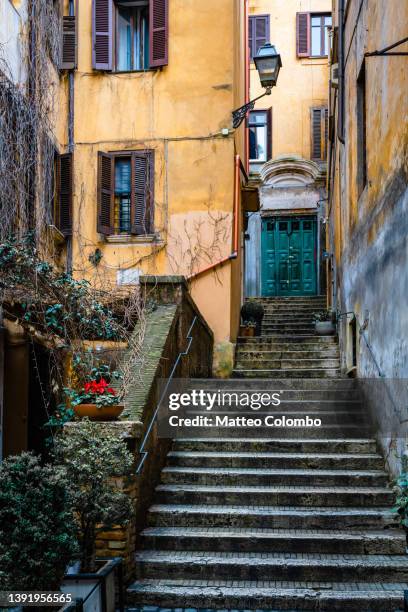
(247, 78)
(238, 167)
(71, 102)
(340, 118)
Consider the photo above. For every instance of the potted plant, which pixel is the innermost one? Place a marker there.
(247, 330)
(96, 398)
(94, 457)
(324, 325)
(252, 312)
(38, 531)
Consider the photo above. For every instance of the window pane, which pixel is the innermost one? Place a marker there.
(316, 42)
(124, 44)
(122, 175)
(252, 143)
(326, 41)
(257, 117)
(315, 20)
(262, 142)
(328, 20)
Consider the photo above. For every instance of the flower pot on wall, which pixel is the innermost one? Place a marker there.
(324, 328)
(98, 413)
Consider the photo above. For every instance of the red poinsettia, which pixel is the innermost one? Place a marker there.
(99, 388)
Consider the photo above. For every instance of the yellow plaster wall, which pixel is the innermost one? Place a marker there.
(302, 82)
(178, 112)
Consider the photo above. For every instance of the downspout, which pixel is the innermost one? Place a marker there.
(247, 78)
(71, 103)
(238, 167)
(340, 118)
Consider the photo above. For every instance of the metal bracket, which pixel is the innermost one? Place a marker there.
(239, 114)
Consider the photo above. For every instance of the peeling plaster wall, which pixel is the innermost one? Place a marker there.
(368, 231)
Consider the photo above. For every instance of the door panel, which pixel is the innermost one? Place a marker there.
(289, 256)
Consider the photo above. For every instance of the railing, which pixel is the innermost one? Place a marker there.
(116, 566)
(182, 354)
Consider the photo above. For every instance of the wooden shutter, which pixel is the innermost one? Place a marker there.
(142, 192)
(159, 34)
(259, 32)
(105, 193)
(319, 133)
(102, 34)
(64, 186)
(303, 34)
(68, 43)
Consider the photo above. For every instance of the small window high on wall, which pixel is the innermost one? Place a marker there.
(129, 35)
(260, 135)
(312, 34)
(132, 36)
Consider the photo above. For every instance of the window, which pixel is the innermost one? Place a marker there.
(260, 135)
(129, 34)
(312, 34)
(132, 36)
(319, 133)
(258, 32)
(361, 130)
(125, 193)
(319, 38)
(62, 196)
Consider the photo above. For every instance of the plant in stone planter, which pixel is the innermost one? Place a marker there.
(252, 312)
(38, 533)
(324, 325)
(96, 399)
(94, 457)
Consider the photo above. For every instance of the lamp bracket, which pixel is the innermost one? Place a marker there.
(239, 114)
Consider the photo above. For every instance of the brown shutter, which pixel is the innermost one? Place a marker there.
(102, 34)
(159, 35)
(269, 133)
(319, 127)
(105, 193)
(261, 32)
(142, 192)
(64, 178)
(251, 36)
(68, 43)
(326, 130)
(303, 34)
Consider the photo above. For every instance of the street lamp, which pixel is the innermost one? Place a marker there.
(268, 63)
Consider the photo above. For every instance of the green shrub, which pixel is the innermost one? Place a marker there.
(92, 456)
(37, 528)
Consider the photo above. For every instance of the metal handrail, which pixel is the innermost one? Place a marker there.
(142, 452)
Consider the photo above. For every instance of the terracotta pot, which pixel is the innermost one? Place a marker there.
(247, 331)
(105, 413)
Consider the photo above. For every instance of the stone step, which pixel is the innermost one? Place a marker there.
(293, 339)
(307, 299)
(271, 517)
(304, 496)
(303, 402)
(317, 353)
(271, 364)
(277, 445)
(341, 418)
(267, 477)
(391, 542)
(293, 328)
(254, 566)
(288, 373)
(277, 460)
(271, 596)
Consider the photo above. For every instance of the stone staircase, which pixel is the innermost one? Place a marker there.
(293, 521)
(288, 346)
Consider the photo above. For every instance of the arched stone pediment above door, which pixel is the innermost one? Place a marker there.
(290, 171)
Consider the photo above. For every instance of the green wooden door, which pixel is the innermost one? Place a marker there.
(289, 256)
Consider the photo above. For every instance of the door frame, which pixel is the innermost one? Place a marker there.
(291, 216)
